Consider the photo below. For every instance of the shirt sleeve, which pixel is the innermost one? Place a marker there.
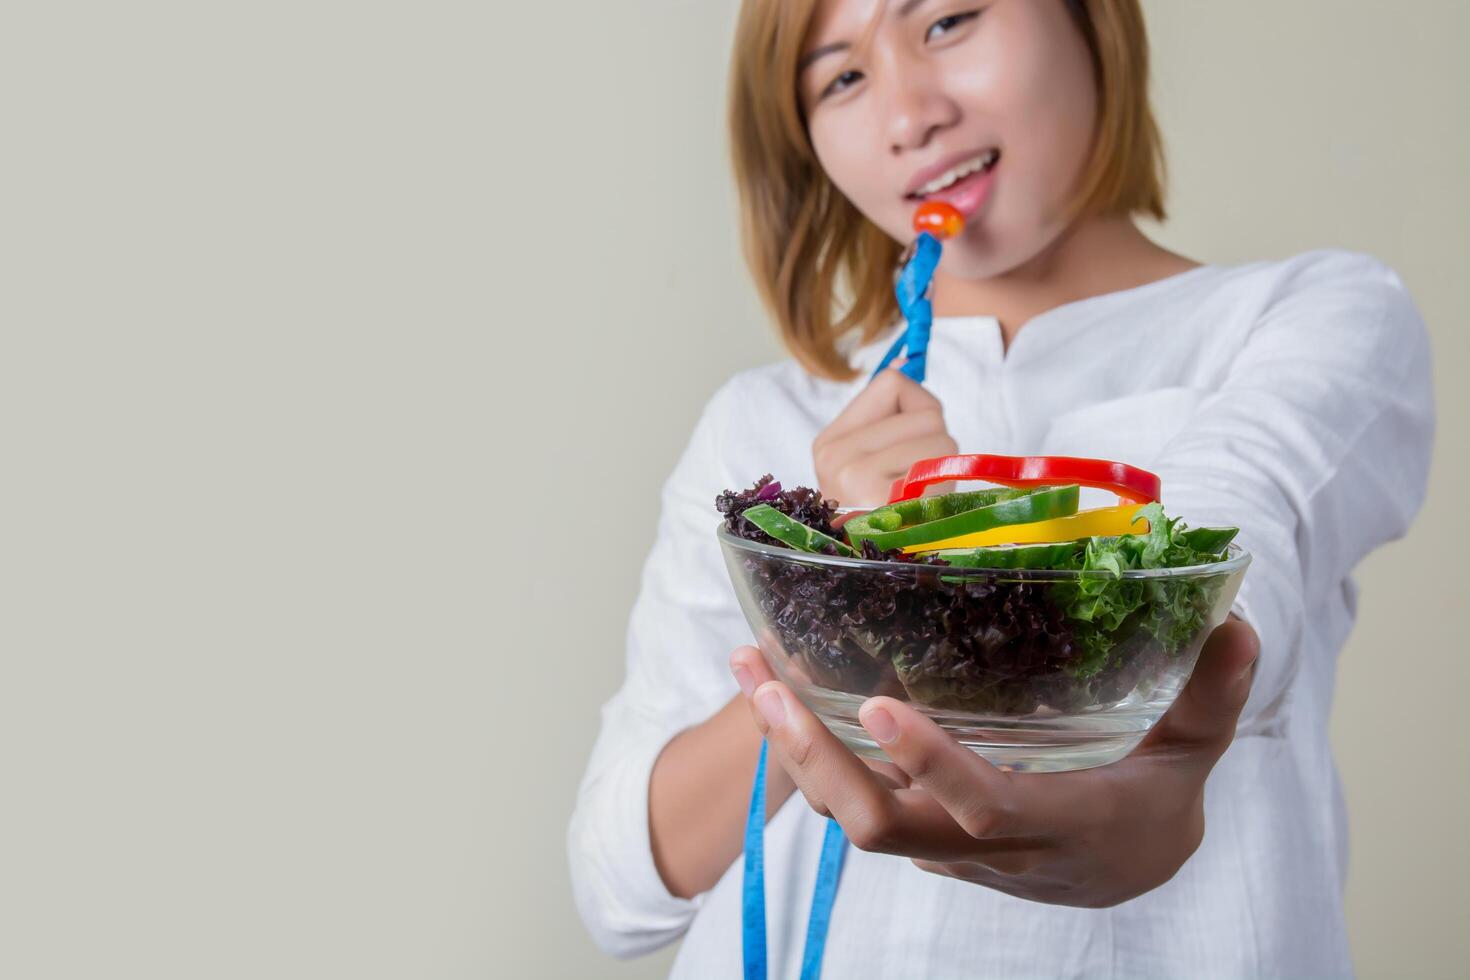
(684, 624)
(1317, 447)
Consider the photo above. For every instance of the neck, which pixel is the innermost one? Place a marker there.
(1094, 257)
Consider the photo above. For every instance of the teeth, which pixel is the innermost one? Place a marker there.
(958, 173)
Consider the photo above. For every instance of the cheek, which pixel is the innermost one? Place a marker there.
(1051, 109)
(1051, 152)
(1066, 111)
(1036, 90)
(844, 143)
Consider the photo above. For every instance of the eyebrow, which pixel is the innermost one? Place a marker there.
(826, 49)
(822, 52)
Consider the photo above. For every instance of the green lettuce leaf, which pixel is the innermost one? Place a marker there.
(1172, 610)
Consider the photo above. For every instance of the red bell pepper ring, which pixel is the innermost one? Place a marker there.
(1131, 484)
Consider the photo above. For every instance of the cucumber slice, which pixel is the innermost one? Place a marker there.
(1013, 555)
(794, 533)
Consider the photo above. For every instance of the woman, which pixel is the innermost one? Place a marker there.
(1289, 398)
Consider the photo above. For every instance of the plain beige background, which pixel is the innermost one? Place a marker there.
(346, 346)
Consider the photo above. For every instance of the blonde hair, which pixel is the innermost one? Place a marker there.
(807, 245)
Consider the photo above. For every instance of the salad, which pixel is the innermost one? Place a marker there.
(992, 635)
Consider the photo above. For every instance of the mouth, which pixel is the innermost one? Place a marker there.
(965, 171)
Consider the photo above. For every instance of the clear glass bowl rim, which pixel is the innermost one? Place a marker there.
(1237, 559)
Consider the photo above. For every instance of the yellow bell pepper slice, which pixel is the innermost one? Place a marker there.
(1083, 524)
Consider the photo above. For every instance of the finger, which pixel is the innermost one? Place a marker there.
(867, 480)
(843, 466)
(874, 815)
(938, 489)
(879, 434)
(829, 775)
(970, 789)
(1204, 715)
(985, 874)
(888, 394)
(947, 869)
(992, 869)
(927, 831)
(888, 781)
(915, 826)
(750, 669)
(892, 776)
(989, 805)
(894, 461)
(775, 662)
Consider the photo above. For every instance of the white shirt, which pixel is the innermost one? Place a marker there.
(1291, 399)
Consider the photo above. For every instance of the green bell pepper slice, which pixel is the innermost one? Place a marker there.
(911, 522)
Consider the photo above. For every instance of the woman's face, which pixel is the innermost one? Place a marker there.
(986, 104)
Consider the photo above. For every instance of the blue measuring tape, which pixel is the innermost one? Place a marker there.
(913, 302)
(753, 905)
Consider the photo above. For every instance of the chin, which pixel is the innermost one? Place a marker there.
(983, 251)
(966, 258)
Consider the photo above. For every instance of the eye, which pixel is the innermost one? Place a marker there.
(945, 25)
(842, 82)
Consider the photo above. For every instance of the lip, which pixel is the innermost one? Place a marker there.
(923, 177)
(968, 194)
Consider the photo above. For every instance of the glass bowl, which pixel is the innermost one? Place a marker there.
(999, 658)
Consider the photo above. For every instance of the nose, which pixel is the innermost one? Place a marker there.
(917, 109)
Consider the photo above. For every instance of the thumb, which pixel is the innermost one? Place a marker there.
(1205, 713)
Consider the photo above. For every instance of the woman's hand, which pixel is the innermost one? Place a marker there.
(890, 425)
(1091, 838)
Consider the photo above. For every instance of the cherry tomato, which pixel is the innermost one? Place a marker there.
(939, 219)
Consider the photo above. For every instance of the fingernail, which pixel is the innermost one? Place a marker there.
(880, 725)
(771, 707)
(746, 682)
